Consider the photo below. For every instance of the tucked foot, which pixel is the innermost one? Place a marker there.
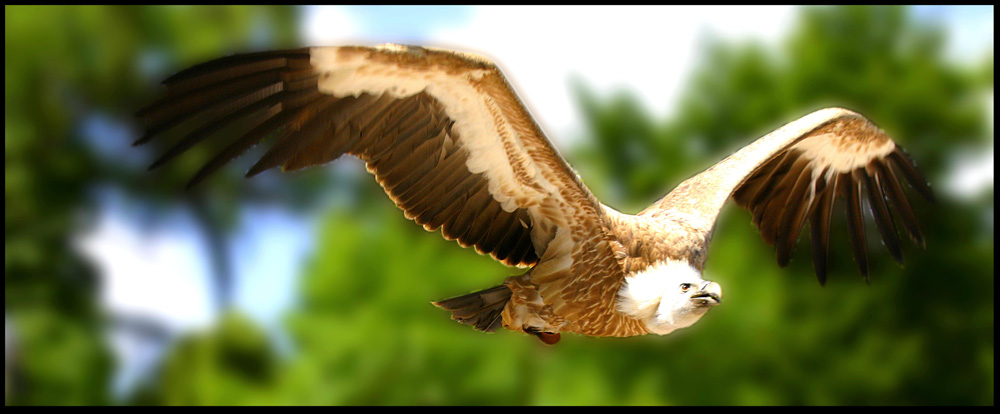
(547, 337)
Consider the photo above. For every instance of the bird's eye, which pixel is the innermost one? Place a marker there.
(685, 287)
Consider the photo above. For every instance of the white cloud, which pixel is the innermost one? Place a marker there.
(162, 272)
(971, 174)
(328, 26)
(158, 274)
(971, 171)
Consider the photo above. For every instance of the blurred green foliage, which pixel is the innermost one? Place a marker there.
(364, 331)
(233, 364)
(63, 66)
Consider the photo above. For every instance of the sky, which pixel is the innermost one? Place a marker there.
(160, 270)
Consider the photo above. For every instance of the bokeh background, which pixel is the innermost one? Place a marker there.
(311, 287)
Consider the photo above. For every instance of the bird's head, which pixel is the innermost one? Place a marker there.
(667, 296)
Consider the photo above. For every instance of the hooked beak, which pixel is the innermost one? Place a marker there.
(709, 295)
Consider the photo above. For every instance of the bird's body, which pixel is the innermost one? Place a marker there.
(453, 146)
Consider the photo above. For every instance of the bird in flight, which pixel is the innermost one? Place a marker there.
(449, 141)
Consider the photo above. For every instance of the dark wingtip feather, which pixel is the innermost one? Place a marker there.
(894, 192)
(146, 137)
(895, 252)
(905, 163)
(798, 206)
(783, 255)
(156, 164)
(819, 228)
(141, 113)
(880, 210)
(226, 62)
(169, 155)
(851, 190)
(258, 168)
(236, 85)
(192, 182)
(821, 274)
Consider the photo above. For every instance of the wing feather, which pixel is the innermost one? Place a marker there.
(221, 97)
(819, 224)
(904, 163)
(898, 199)
(304, 126)
(880, 211)
(462, 228)
(234, 66)
(443, 132)
(797, 172)
(271, 120)
(793, 215)
(855, 222)
(454, 200)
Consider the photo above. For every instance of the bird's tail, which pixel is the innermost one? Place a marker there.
(480, 309)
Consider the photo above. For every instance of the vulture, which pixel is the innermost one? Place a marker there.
(450, 142)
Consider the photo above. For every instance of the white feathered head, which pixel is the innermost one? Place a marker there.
(667, 296)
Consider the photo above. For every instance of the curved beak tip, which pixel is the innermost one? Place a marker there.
(711, 293)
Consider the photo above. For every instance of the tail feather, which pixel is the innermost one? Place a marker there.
(482, 309)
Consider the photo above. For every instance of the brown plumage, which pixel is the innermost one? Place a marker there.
(449, 141)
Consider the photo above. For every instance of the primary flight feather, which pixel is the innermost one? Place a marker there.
(453, 146)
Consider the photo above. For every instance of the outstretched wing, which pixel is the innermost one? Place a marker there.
(796, 172)
(443, 132)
